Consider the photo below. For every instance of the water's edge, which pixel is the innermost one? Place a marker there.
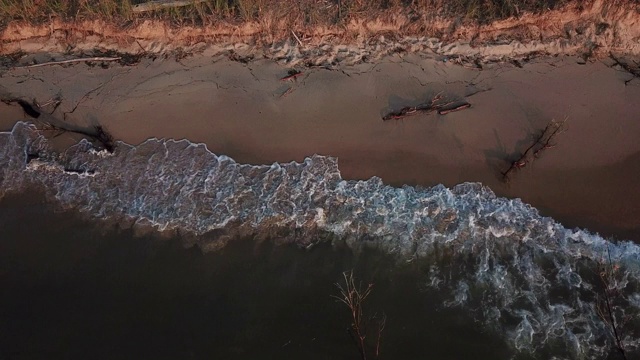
(524, 275)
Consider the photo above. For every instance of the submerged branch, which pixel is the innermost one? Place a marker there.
(353, 295)
(605, 307)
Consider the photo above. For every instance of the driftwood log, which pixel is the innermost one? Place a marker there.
(442, 108)
(71, 61)
(544, 141)
(162, 4)
(292, 74)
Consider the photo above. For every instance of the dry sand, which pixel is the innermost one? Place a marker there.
(590, 179)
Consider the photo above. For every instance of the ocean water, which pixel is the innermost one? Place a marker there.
(76, 289)
(490, 270)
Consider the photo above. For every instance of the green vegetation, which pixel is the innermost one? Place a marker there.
(303, 12)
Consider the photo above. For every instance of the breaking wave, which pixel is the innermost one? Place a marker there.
(522, 275)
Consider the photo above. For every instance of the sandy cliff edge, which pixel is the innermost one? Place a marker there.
(594, 30)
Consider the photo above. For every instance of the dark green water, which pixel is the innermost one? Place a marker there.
(79, 289)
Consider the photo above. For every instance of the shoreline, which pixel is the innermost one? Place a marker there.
(290, 92)
(246, 112)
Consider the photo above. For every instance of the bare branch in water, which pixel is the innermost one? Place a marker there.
(353, 295)
(608, 273)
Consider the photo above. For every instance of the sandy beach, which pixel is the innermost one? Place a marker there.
(245, 111)
(220, 84)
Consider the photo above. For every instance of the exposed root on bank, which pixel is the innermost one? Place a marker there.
(594, 27)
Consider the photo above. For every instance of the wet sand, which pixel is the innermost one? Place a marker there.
(245, 111)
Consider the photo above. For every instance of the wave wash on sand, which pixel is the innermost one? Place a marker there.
(523, 276)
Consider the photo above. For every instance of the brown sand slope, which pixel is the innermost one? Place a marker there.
(247, 112)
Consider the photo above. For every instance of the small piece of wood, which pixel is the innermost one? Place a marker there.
(457, 108)
(287, 92)
(160, 4)
(297, 38)
(293, 76)
(542, 142)
(404, 112)
(422, 108)
(69, 62)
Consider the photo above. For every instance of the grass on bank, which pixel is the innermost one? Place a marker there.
(302, 12)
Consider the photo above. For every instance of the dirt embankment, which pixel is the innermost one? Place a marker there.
(591, 31)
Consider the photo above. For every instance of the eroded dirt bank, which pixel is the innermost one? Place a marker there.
(592, 29)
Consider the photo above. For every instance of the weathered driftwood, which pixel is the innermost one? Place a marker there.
(297, 38)
(70, 61)
(412, 110)
(542, 142)
(408, 111)
(292, 75)
(454, 109)
(434, 105)
(287, 92)
(161, 4)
